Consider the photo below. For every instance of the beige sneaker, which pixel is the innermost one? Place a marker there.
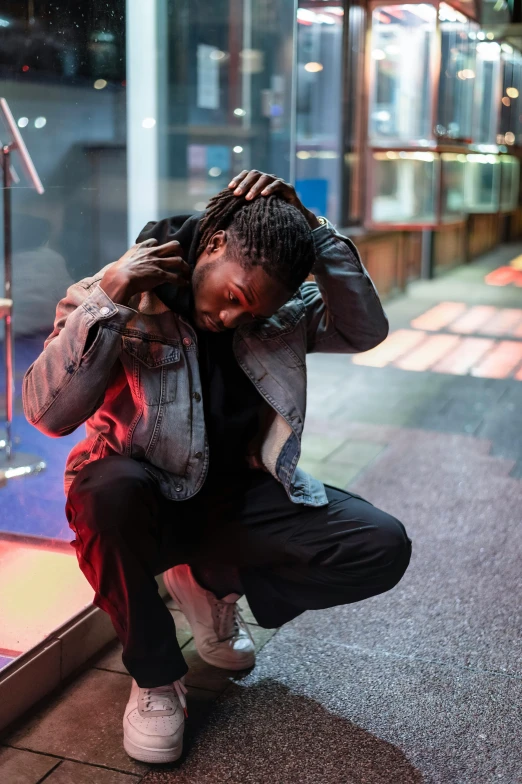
(154, 721)
(221, 634)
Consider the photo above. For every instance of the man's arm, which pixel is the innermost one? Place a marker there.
(343, 309)
(66, 383)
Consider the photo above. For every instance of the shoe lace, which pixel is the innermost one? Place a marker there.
(230, 621)
(156, 697)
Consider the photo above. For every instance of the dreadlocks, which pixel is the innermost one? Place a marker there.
(267, 231)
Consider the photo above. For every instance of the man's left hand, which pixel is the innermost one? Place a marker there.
(254, 183)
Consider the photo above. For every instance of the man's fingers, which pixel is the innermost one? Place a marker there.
(175, 263)
(168, 247)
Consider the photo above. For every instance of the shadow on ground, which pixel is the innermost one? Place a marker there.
(288, 738)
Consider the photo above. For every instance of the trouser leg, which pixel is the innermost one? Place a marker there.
(114, 507)
(294, 558)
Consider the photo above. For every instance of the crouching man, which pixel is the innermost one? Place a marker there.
(186, 360)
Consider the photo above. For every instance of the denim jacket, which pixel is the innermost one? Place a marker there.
(131, 373)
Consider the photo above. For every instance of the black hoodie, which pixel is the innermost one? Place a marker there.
(231, 402)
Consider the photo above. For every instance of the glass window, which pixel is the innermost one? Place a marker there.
(482, 183)
(319, 104)
(487, 92)
(400, 105)
(131, 111)
(404, 188)
(453, 167)
(510, 131)
(509, 187)
(457, 75)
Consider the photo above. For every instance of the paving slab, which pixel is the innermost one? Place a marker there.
(316, 712)
(24, 767)
(76, 773)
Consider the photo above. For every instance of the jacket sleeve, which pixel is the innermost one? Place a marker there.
(343, 310)
(66, 384)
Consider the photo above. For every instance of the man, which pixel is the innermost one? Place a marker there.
(186, 360)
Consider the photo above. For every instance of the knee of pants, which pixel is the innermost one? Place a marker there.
(107, 493)
(392, 547)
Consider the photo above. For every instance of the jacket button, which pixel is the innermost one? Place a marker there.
(187, 342)
(196, 396)
(198, 454)
(179, 488)
(104, 311)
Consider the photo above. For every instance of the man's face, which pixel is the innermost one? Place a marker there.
(226, 295)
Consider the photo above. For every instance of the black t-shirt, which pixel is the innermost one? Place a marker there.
(231, 404)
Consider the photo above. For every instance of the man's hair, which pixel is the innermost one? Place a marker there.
(267, 231)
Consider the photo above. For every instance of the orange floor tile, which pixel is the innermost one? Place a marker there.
(503, 322)
(467, 353)
(473, 319)
(501, 360)
(395, 345)
(440, 316)
(428, 353)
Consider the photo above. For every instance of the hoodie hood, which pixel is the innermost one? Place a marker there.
(185, 229)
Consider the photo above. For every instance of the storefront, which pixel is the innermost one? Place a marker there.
(400, 122)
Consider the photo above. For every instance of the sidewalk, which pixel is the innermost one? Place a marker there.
(421, 684)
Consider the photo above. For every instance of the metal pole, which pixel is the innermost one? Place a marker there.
(8, 295)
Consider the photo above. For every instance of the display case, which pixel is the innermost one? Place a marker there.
(482, 183)
(405, 188)
(509, 182)
(401, 98)
(435, 132)
(510, 131)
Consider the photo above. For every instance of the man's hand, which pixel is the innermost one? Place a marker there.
(253, 182)
(143, 267)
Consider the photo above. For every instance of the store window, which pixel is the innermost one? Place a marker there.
(319, 106)
(457, 75)
(401, 96)
(131, 111)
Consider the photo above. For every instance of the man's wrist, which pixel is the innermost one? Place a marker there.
(313, 222)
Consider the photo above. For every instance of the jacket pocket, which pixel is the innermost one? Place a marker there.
(152, 367)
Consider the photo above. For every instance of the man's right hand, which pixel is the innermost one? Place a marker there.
(143, 267)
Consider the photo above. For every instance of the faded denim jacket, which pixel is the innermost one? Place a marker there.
(131, 373)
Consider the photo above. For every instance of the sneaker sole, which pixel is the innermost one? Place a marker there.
(144, 754)
(243, 666)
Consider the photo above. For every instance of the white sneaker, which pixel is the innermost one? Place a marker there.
(154, 721)
(221, 634)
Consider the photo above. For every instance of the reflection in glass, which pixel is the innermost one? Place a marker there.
(457, 74)
(318, 109)
(404, 187)
(482, 183)
(401, 96)
(452, 185)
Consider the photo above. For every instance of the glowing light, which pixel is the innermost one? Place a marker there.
(466, 73)
(303, 155)
(490, 36)
(22, 122)
(506, 48)
(148, 122)
(378, 54)
(239, 112)
(481, 36)
(217, 54)
(313, 67)
(512, 92)
(215, 171)
(25, 68)
(237, 149)
(488, 50)
(509, 138)
(40, 122)
(99, 84)
(506, 101)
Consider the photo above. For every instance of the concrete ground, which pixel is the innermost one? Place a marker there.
(421, 684)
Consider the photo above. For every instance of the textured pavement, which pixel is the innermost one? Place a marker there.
(420, 684)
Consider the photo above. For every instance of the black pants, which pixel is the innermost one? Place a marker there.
(288, 557)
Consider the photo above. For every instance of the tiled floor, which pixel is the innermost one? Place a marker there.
(421, 684)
